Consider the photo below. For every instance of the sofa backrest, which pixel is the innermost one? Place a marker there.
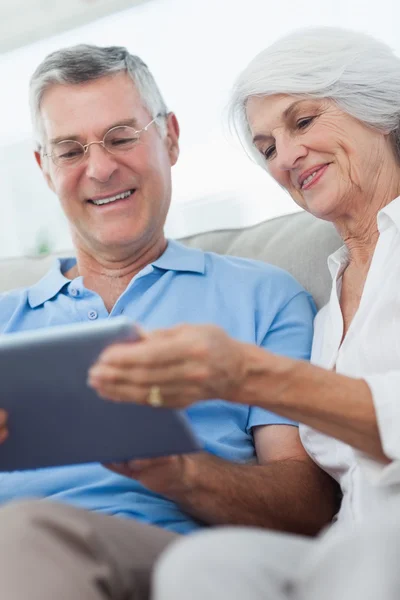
(298, 243)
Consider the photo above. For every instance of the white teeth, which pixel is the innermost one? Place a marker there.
(309, 178)
(112, 198)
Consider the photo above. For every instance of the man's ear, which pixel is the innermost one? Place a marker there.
(46, 175)
(172, 138)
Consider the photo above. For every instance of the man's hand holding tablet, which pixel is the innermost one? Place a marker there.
(3, 426)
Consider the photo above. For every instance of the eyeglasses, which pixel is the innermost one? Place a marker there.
(116, 140)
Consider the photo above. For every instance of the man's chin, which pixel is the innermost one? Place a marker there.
(116, 244)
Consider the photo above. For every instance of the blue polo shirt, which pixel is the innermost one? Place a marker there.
(254, 302)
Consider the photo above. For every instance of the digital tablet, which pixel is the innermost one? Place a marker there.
(56, 419)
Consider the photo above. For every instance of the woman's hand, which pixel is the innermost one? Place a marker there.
(187, 363)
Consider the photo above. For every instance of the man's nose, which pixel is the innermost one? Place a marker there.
(100, 164)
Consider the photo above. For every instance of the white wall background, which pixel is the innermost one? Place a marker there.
(195, 49)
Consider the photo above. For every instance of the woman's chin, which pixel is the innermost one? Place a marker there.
(322, 206)
(322, 210)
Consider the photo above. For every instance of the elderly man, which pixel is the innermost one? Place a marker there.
(106, 144)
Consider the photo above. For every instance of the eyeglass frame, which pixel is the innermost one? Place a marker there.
(101, 143)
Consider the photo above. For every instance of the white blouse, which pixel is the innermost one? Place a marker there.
(370, 350)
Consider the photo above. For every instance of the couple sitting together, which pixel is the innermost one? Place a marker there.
(312, 509)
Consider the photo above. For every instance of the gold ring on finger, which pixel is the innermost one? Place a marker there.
(155, 397)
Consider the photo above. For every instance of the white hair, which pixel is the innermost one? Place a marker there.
(82, 63)
(359, 73)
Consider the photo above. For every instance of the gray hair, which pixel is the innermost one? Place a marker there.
(82, 63)
(358, 72)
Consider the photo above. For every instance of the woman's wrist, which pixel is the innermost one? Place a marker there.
(263, 376)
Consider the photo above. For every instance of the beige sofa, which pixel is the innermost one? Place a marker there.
(298, 243)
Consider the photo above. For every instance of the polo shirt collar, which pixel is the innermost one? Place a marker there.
(52, 283)
(176, 257)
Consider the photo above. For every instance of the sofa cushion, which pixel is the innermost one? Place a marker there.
(298, 243)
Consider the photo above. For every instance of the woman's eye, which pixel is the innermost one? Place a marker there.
(269, 152)
(303, 123)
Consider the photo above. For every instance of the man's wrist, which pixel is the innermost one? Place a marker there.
(188, 482)
(199, 470)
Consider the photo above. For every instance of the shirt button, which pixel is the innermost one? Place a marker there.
(92, 314)
(74, 292)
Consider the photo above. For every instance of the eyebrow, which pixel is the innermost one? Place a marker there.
(262, 137)
(132, 122)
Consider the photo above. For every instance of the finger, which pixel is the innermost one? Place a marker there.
(165, 333)
(113, 466)
(104, 373)
(160, 351)
(122, 393)
(137, 466)
(146, 463)
(3, 434)
(179, 374)
(143, 335)
(120, 353)
(145, 352)
(118, 468)
(3, 417)
(173, 398)
(173, 382)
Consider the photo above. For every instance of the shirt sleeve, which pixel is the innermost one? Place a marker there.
(290, 334)
(385, 389)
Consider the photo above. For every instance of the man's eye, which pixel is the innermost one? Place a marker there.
(303, 123)
(70, 154)
(269, 152)
(123, 141)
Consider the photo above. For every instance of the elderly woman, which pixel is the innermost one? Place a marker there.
(320, 111)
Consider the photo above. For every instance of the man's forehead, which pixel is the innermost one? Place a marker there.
(71, 110)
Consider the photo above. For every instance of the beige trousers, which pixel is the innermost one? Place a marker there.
(50, 551)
